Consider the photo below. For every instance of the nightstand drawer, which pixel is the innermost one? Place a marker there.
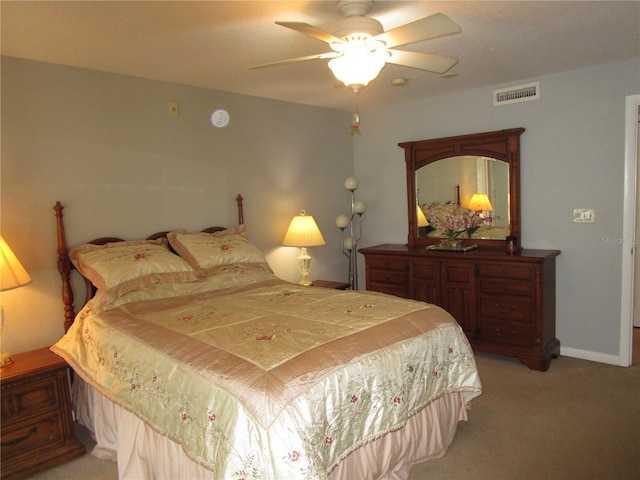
(29, 399)
(22, 439)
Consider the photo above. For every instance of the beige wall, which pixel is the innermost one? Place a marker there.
(106, 147)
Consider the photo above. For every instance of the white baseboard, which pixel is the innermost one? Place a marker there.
(589, 355)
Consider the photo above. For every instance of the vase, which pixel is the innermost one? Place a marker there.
(451, 243)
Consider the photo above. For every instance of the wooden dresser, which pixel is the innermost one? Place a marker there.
(504, 303)
(37, 427)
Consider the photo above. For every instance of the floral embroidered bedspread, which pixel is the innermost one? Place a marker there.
(269, 379)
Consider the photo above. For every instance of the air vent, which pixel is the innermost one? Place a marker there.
(521, 93)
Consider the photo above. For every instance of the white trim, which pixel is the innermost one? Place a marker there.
(592, 356)
(628, 228)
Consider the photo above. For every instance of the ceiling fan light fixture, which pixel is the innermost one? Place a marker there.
(358, 65)
(356, 70)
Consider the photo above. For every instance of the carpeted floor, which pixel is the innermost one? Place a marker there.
(579, 420)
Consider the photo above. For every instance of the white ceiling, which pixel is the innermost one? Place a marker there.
(212, 44)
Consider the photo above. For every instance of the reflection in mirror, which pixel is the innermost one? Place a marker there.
(473, 182)
(444, 174)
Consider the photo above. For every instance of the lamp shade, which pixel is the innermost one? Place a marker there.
(480, 201)
(12, 273)
(303, 232)
(351, 183)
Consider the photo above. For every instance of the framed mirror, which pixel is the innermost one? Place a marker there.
(477, 174)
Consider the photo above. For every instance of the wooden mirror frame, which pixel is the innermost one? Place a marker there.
(502, 145)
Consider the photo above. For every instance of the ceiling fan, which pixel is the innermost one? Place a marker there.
(360, 46)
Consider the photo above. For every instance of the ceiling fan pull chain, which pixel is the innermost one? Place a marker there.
(355, 125)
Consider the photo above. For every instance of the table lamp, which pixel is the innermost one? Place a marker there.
(303, 232)
(12, 275)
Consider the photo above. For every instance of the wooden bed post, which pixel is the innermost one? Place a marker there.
(240, 209)
(64, 267)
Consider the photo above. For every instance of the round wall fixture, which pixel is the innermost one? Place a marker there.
(220, 118)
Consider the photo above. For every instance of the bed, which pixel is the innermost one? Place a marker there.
(193, 360)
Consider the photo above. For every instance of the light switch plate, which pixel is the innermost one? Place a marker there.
(584, 215)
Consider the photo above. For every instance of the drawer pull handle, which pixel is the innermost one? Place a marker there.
(16, 441)
(503, 335)
(507, 311)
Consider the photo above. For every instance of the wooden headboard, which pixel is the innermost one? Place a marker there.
(65, 266)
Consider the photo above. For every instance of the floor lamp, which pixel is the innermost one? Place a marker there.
(352, 225)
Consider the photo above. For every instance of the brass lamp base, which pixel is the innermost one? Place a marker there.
(5, 359)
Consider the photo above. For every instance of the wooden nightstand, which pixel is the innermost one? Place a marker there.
(37, 427)
(330, 284)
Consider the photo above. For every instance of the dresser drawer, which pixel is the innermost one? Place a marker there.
(460, 274)
(426, 271)
(22, 439)
(498, 287)
(20, 399)
(386, 263)
(503, 270)
(506, 308)
(387, 277)
(398, 290)
(496, 331)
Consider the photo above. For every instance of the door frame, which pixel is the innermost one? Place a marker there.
(632, 108)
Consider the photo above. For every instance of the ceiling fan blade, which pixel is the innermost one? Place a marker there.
(319, 56)
(422, 61)
(311, 31)
(433, 26)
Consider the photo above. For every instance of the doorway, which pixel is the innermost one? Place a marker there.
(635, 336)
(630, 306)
(636, 264)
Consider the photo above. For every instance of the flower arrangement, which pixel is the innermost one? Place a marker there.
(454, 220)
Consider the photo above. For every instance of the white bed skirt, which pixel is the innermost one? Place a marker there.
(143, 453)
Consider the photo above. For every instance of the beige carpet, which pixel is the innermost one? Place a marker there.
(579, 420)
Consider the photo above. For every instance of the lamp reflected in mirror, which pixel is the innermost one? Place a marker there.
(480, 202)
(422, 219)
